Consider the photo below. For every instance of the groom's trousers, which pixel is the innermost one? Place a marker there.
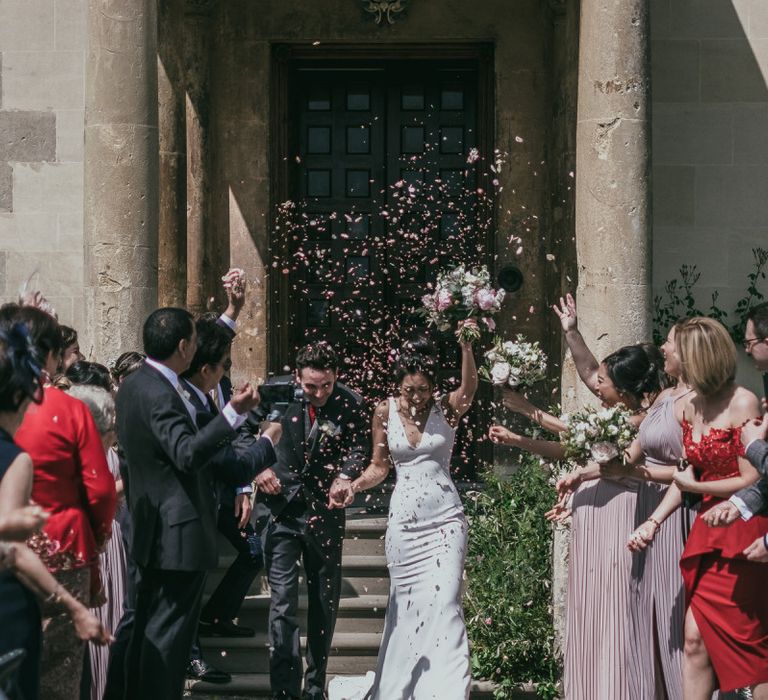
(285, 542)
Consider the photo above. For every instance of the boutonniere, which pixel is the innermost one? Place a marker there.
(328, 429)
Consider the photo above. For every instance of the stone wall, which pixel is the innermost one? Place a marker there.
(42, 78)
(710, 142)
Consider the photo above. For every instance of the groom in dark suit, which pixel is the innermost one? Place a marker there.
(171, 501)
(325, 445)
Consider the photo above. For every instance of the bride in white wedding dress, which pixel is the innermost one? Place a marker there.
(424, 653)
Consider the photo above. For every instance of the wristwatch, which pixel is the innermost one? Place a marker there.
(344, 477)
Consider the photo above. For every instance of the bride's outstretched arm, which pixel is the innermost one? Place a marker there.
(378, 469)
(461, 399)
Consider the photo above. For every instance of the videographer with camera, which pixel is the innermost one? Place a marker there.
(325, 445)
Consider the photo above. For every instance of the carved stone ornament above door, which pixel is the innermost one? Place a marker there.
(384, 9)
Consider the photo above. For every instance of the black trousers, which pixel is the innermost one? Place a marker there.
(225, 602)
(285, 542)
(167, 610)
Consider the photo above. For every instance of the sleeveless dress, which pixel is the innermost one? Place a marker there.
(725, 591)
(658, 611)
(424, 653)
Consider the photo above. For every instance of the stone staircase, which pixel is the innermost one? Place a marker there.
(365, 587)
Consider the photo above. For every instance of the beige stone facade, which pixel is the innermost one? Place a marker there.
(709, 124)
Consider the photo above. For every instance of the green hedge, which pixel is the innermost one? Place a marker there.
(508, 602)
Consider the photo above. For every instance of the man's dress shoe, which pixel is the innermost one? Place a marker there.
(200, 670)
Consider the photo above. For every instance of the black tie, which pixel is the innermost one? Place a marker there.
(211, 406)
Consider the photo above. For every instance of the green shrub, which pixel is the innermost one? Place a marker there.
(508, 603)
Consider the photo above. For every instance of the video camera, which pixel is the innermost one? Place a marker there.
(276, 397)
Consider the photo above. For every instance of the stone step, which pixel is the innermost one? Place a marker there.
(255, 686)
(356, 614)
(351, 652)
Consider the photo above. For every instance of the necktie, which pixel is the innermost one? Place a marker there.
(311, 410)
(212, 407)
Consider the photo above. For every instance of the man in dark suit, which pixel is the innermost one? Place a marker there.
(170, 499)
(233, 472)
(325, 445)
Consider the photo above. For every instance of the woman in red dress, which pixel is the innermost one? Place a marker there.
(73, 483)
(726, 623)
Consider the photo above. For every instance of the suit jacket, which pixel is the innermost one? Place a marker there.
(169, 494)
(236, 464)
(309, 458)
(755, 497)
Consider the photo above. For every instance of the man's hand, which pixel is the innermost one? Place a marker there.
(20, 523)
(756, 429)
(757, 551)
(341, 493)
(245, 399)
(234, 286)
(274, 431)
(722, 514)
(267, 482)
(243, 509)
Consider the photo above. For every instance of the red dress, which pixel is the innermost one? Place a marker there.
(72, 482)
(725, 591)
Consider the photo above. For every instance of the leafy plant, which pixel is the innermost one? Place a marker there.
(680, 300)
(508, 603)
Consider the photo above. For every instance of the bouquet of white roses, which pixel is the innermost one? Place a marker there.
(516, 363)
(601, 434)
(461, 295)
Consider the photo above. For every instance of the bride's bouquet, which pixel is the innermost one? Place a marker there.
(461, 295)
(516, 363)
(601, 434)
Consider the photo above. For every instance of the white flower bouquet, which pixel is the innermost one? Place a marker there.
(515, 363)
(601, 434)
(461, 295)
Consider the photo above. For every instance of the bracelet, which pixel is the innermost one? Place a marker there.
(54, 597)
(653, 520)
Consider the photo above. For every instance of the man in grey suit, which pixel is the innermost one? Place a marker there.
(753, 499)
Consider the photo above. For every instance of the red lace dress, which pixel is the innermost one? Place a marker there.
(725, 591)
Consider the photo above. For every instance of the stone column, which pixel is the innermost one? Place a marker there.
(172, 255)
(613, 206)
(613, 156)
(121, 171)
(196, 31)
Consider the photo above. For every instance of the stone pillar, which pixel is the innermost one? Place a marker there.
(121, 171)
(172, 255)
(613, 204)
(196, 31)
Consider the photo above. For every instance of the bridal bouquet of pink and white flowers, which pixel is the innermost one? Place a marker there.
(601, 434)
(461, 295)
(516, 363)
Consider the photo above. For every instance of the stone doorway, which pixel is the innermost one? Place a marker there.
(377, 196)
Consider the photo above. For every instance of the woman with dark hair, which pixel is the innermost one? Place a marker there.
(20, 384)
(424, 651)
(91, 374)
(71, 348)
(126, 364)
(610, 654)
(72, 482)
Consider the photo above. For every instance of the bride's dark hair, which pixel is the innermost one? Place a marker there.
(417, 356)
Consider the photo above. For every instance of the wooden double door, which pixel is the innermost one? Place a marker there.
(382, 193)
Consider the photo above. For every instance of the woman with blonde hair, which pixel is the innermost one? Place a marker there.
(726, 619)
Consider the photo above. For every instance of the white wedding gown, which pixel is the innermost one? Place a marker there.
(424, 653)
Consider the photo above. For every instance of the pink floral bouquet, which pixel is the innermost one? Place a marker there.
(462, 295)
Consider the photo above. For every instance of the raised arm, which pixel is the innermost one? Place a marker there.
(378, 469)
(586, 363)
(461, 399)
